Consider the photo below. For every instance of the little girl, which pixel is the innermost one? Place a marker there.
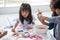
(25, 16)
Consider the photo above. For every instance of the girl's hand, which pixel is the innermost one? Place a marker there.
(15, 34)
(3, 34)
(42, 20)
(13, 30)
(33, 23)
(40, 17)
(39, 12)
(14, 27)
(45, 18)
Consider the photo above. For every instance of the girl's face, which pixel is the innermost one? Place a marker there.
(52, 2)
(25, 13)
(58, 11)
(51, 5)
(52, 8)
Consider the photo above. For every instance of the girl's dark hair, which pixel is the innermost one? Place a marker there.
(54, 0)
(26, 7)
(57, 4)
(54, 13)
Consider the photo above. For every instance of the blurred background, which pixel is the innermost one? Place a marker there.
(9, 10)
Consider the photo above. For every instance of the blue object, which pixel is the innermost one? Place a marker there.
(9, 26)
(26, 32)
(20, 31)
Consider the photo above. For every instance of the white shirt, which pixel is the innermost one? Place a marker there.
(25, 25)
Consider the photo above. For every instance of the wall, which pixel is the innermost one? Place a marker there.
(15, 10)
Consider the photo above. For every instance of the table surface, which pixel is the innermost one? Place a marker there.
(46, 36)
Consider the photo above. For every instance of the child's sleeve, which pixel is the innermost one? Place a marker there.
(54, 19)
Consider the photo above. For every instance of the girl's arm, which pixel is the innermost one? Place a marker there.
(17, 22)
(51, 25)
(53, 19)
(3, 34)
(41, 19)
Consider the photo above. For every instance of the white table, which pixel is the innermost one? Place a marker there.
(47, 36)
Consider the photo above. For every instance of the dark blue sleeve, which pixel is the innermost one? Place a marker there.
(51, 25)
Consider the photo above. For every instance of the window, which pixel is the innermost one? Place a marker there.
(40, 2)
(11, 3)
(1, 3)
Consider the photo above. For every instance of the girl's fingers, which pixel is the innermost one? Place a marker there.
(13, 30)
(39, 12)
